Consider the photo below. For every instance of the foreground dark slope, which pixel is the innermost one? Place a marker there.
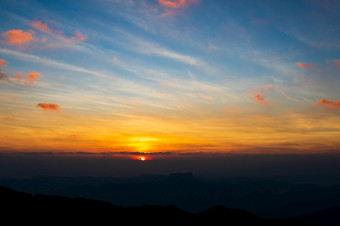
(43, 209)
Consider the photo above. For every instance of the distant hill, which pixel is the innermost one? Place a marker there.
(21, 207)
(269, 198)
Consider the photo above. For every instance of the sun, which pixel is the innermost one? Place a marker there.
(142, 158)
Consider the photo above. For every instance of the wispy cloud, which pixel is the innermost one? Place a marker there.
(48, 106)
(18, 37)
(148, 48)
(329, 103)
(49, 62)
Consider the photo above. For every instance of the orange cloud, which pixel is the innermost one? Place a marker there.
(176, 3)
(39, 25)
(260, 99)
(307, 65)
(48, 106)
(31, 77)
(337, 62)
(3, 62)
(329, 103)
(18, 37)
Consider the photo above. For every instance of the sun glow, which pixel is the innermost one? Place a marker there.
(143, 143)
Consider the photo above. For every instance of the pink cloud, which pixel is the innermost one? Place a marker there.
(3, 62)
(78, 37)
(39, 25)
(48, 106)
(329, 103)
(307, 65)
(260, 99)
(31, 77)
(177, 3)
(261, 94)
(18, 37)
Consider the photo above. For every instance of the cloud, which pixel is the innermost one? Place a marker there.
(337, 62)
(329, 103)
(58, 36)
(78, 37)
(4, 77)
(3, 62)
(154, 49)
(18, 37)
(49, 62)
(18, 76)
(39, 25)
(48, 106)
(177, 3)
(269, 86)
(260, 99)
(307, 65)
(31, 77)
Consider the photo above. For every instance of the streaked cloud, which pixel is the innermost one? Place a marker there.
(48, 106)
(154, 49)
(49, 62)
(329, 103)
(18, 37)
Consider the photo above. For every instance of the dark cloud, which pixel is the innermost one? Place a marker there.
(4, 77)
(48, 106)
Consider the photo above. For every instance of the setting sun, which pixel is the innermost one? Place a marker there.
(142, 158)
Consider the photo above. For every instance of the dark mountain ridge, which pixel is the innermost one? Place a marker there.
(21, 207)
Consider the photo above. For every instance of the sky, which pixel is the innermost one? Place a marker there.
(162, 78)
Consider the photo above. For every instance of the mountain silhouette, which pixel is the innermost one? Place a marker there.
(265, 197)
(19, 207)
